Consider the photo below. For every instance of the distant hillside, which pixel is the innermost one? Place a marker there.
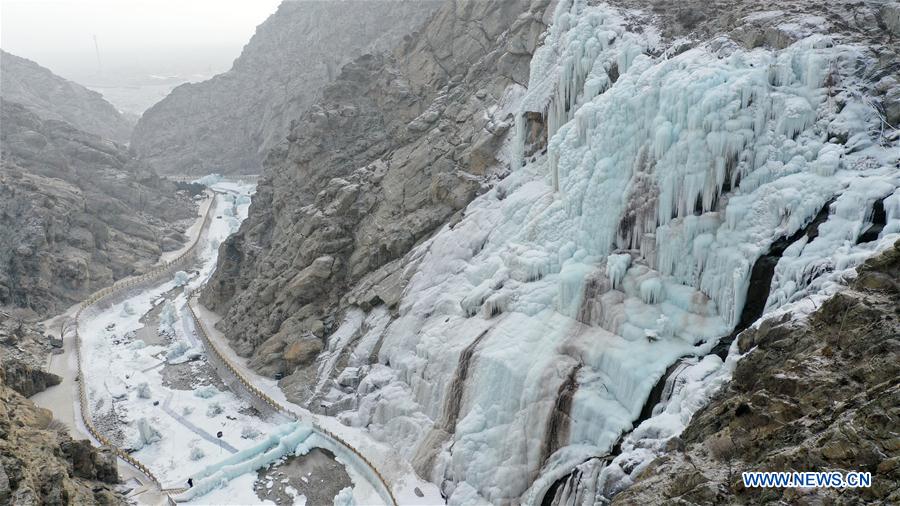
(77, 213)
(52, 97)
(228, 123)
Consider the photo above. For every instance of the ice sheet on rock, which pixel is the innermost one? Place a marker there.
(209, 180)
(335, 346)
(628, 246)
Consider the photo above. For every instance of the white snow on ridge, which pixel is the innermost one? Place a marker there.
(629, 245)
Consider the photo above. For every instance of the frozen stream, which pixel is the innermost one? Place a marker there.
(151, 389)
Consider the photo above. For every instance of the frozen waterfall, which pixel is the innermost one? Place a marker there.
(562, 296)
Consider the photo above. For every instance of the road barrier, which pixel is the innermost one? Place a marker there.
(253, 390)
(248, 178)
(154, 275)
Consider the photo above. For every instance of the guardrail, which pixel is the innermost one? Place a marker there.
(251, 178)
(167, 268)
(275, 405)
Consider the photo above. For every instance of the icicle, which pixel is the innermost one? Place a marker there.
(616, 266)
(517, 157)
(652, 291)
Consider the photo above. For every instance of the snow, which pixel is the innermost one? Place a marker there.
(174, 431)
(625, 248)
(238, 492)
(124, 381)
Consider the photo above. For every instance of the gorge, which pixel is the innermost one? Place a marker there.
(554, 252)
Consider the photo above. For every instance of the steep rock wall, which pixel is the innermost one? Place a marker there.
(397, 145)
(52, 97)
(648, 175)
(41, 464)
(228, 123)
(77, 213)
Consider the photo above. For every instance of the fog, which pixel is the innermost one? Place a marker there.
(143, 47)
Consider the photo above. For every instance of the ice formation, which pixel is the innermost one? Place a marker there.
(283, 440)
(197, 453)
(127, 310)
(182, 278)
(143, 390)
(214, 409)
(209, 180)
(167, 319)
(147, 434)
(532, 331)
(344, 497)
(206, 392)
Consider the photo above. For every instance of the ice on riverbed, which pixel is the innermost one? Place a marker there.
(209, 180)
(181, 278)
(127, 310)
(116, 365)
(167, 319)
(176, 350)
(206, 392)
(345, 497)
(248, 432)
(147, 434)
(214, 409)
(143, 390)
(280, 442)
(197, 453)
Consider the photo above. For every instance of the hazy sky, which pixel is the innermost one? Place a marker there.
(59, 33)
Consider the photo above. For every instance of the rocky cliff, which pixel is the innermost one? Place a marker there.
(52, 97)
(395, 147)
(41, 464)
(528, 292)
(815, 393)
(77, 213)
(228, 123)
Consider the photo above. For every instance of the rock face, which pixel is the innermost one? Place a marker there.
(25, 379)
(52, 97)
(76, 212)
(41, 464)
(398, 146)
(395, 147)
(228, 123)
(813, 395)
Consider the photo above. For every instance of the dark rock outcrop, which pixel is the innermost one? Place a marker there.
(76, 212)
(41, 464)
(228, 123)
(25, 379)
(395, 147)
(813, 395)
(54, 98)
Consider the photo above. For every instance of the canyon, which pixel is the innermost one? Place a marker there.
(553, 252)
